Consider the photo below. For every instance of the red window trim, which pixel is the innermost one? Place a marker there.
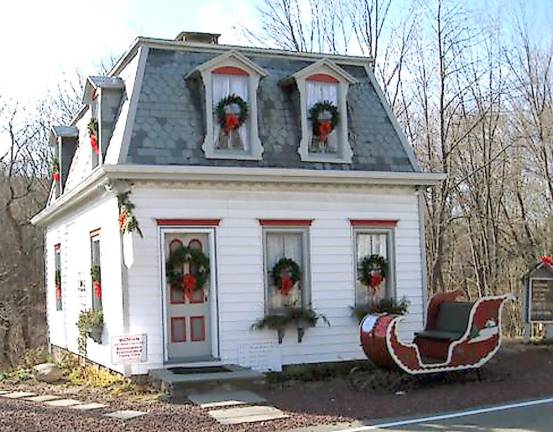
(322, 77)
(188, 222)
(373, 223)
(195, 339)
(230, 70)
(173, 321)
(285, 222)
(95, 232)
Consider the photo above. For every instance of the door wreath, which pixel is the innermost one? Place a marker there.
(191, 281)
(286, 273)
(373, 271)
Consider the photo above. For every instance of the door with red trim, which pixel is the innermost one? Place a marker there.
(187, 288)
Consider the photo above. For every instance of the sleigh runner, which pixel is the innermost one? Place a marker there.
(458, 335)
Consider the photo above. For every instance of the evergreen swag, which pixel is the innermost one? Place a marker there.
(388, 306)
(92, 129)
(324, 117)
(230, 121)
(285, 273)
(290, 315)
(127, 220)
(199, 269)
(90, 325)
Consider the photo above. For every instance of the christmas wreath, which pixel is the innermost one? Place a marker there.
(373, 271)
(92, 129)
(55, 169)
(198, 274)
(232, 112)
(127, 220)
(286, 273)
(324, 117)
(96, 276)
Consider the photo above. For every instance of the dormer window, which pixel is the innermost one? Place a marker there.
(323, 88)
(231, 82)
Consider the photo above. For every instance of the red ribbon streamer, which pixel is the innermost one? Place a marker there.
(231, 123)
(94, 143)
(286, 284)
(190, 283)
(97, 290)
(325, 128)
(56, 176)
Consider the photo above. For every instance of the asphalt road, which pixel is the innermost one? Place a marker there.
(528, 416)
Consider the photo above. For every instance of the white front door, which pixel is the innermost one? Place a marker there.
(188, 312)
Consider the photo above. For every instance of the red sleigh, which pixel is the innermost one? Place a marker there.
(458, 335)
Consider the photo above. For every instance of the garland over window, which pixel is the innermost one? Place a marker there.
(127, 220)
(198, 274)
(232, 112)
(324, 117)
(92, 129)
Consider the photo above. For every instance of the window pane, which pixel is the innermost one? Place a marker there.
(223, 86)
(319, 92)
(368, 244)
(284, 245)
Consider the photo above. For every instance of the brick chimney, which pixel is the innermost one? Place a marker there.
(198, 37)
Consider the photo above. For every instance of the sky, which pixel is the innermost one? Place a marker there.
(41, 39)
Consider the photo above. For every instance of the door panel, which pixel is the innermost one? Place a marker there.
(188, 316)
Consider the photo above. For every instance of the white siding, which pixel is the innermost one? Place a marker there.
(240, 263)
(73, 232)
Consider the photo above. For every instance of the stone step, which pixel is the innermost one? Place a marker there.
(178, 382)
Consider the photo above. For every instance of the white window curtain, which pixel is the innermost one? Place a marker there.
(284, 245)
(369, 244)
(318, 92)
(223, 86)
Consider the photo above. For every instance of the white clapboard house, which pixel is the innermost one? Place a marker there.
(203, 187)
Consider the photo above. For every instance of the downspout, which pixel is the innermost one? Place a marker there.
(422, 239)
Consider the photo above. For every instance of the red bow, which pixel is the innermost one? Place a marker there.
(190, 283)
(231, 123)
(286, 284)
(547, 261)
(376, 279)
(94, 143)
(325, 128)
(58, 292)
(97, 290)
(122, 220)
(56, 176)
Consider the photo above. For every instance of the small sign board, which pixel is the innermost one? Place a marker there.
(128, 349)
(541, 300)
(261, 356)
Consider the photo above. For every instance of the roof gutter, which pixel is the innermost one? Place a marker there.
(270, 175)
(70, 199)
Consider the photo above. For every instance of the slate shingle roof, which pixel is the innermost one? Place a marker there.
(169, 125)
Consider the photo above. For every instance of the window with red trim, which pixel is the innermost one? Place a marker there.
(374, 241)
(57, 278)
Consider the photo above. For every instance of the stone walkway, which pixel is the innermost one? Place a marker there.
(249, 413)
(58, 401)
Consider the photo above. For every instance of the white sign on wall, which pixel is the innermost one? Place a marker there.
(261, 356)
(128, 349)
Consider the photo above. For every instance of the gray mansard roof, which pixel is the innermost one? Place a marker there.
(169, 126)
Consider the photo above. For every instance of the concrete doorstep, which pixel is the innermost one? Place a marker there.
(247, 414)
(218, 399)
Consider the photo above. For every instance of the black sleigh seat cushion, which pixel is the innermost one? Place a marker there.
(451, 323)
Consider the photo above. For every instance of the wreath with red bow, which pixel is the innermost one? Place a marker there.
(55, 169)
(232, 112)
(286, 273)
(96, 276)
(547, 261)
(373, 271)
(198, 274)
(324, 117)
(92, 128)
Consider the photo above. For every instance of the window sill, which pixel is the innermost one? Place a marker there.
(328, 159)
(233, 156)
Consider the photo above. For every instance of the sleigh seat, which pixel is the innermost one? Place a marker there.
(449, 324)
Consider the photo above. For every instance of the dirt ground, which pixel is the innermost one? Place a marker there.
(518, 372)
